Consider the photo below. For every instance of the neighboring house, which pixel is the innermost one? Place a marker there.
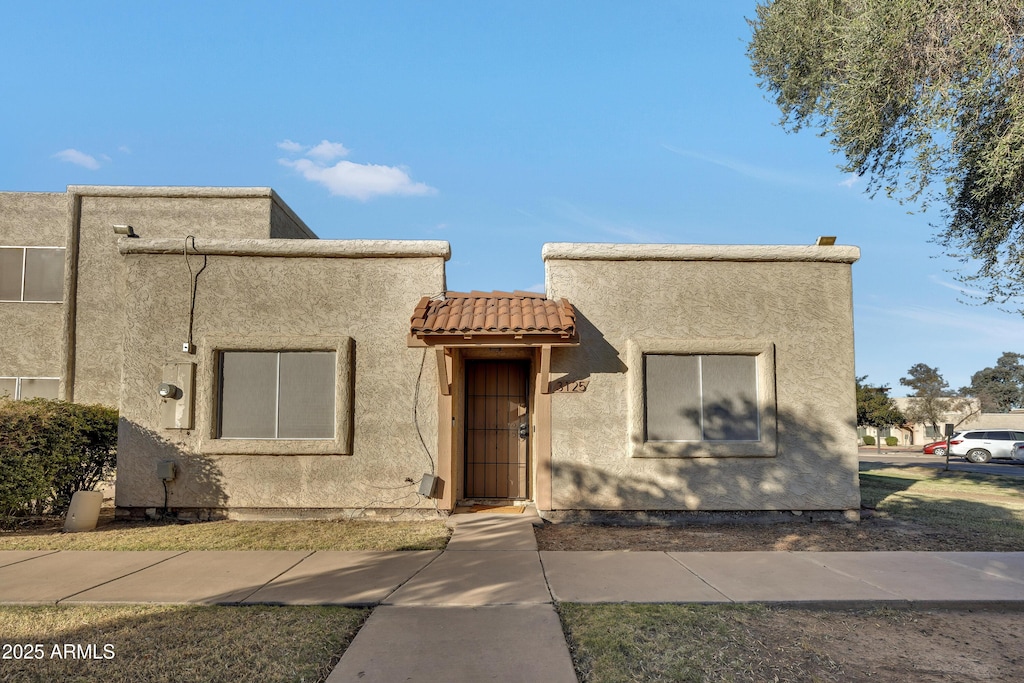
(968, 417)
(327, 378)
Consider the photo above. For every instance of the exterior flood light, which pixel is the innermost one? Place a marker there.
(826, 241)
(126, 230)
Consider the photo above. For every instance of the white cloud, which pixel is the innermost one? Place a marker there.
(359, 181)
(977, 326)
(346, 178)
(539, 287)
(73, 156)
(570, 212)
(290, 146)
(966, 291)
(742, 168)
(328, 151)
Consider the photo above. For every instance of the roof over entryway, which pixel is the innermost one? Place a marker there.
(494, 319)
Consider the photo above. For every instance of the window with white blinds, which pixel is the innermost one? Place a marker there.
(277, 395)
(701, 398)
(32, 274)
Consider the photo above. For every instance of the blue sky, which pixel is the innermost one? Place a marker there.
(497, 126)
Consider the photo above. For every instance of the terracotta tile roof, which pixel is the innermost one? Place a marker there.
(493, 313)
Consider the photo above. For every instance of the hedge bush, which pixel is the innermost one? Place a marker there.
(49, 450)
(869, 440)
(891, 441)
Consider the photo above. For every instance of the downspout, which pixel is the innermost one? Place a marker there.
(70, 309)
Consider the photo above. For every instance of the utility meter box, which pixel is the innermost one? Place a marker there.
(176, 388)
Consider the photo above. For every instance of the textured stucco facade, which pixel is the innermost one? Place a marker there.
(79, 339)
(264, 295)
(235, 271)
(30, 332)
(99, 285)
(793, 303)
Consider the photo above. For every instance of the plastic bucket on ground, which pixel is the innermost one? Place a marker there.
(84, 512)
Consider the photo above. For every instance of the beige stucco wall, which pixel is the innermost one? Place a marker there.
(1014, 420)
(796, 300)
(359, 290)
(30, 332)
(34, 219)
(170, 212)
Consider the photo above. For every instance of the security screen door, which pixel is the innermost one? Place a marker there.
(497, 429)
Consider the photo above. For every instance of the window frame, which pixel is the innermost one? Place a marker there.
(17, 385)
(208, 396)
(278, 381)
(763, 352)
(24, 268)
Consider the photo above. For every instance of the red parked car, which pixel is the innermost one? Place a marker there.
(938, 447)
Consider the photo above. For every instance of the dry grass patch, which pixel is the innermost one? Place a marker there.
(907, 509)
(229, 535)
(986, 508)
(177, 643)
(613, 643)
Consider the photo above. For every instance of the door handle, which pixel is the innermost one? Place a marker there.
(524, 430)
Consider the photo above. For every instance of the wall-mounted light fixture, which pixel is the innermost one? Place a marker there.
(126, 230)
(168, 390)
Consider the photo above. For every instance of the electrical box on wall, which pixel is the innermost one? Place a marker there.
(428, 485)
(166, 470)
(175, 390)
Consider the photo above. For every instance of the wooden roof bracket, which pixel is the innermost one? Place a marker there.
(444, 371)
(545, 369)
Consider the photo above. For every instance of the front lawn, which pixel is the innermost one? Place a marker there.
(173, 643)
(640, 642)
(229, 535)
(987, 510)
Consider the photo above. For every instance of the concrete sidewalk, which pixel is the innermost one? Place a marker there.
(471, 611)
(470, 577)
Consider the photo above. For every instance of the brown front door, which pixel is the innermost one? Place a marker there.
(497, 429)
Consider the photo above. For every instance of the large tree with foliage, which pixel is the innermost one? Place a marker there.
(875, 408)
(999, 388)
(925, 98)
(932, 401)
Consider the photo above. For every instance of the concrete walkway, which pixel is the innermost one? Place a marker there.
(484, 608)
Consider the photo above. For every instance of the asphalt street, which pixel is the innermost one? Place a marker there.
(870, 459)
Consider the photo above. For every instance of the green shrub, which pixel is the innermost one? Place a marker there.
(49, 450)
(22, 470)
(869, 440)
(891, 441)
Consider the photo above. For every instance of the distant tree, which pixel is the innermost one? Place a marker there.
(932, 401)
(999, 388)
(923, 97)
(875, 408)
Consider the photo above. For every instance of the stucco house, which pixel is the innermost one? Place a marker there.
(967, 415)
(261, 372)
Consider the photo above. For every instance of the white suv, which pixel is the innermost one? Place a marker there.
(981, 445)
